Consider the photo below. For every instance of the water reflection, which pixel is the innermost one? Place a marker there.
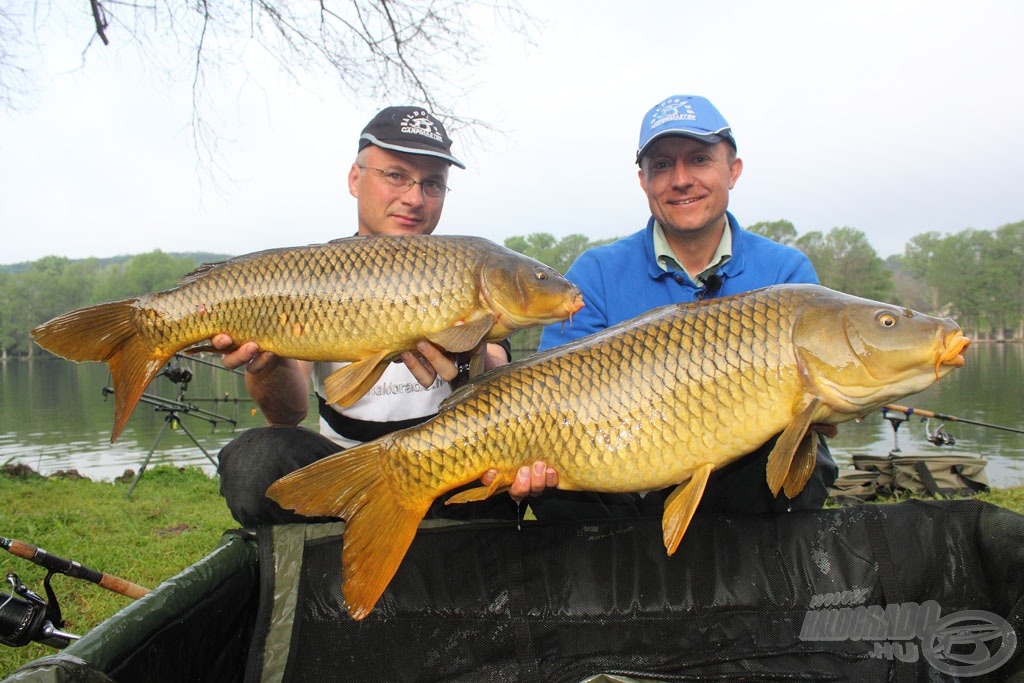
(58, 416)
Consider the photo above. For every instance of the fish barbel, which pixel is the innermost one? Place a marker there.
(359, 299)
(656, 401)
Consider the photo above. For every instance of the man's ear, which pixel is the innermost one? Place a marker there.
(353, 180)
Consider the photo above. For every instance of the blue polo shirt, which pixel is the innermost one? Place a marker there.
(623, 279)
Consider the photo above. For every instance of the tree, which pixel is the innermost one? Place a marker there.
(395, 49)
(559, 254)
(144, 273)
(1009, 256)
(847, 262)
(782, 232)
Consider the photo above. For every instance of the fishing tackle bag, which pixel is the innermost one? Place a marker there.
(945, 475)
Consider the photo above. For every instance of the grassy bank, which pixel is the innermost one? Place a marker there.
(174, 518)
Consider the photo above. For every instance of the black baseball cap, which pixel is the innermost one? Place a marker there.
(412, 130)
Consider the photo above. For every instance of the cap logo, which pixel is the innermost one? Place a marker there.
(420, 123)
(672, 109)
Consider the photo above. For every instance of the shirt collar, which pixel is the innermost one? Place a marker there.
(667, 261)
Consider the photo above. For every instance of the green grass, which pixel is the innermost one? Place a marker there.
(174, 518)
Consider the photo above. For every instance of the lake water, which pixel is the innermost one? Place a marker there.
(54, 416)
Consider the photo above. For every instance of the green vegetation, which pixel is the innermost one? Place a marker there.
(174, 518)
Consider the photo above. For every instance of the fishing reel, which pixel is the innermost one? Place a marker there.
(25, 617)
(940, 437)
(177, 374)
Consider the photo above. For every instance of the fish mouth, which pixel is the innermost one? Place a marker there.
(953, 345)
(574, 306)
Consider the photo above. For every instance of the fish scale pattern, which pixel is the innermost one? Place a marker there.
(665, 391)
(302, 302)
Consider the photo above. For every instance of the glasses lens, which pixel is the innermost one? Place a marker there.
(432, 188)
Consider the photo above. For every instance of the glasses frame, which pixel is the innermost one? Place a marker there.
(409, 182)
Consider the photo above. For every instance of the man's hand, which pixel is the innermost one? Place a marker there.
(826, 430)
(529, 482)
(280, 386)
(247, 354)
(430, 361)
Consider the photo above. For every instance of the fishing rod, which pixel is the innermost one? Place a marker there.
(71, 568)
(949, 418)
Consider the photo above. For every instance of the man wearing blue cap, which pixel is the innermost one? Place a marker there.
(691, 249)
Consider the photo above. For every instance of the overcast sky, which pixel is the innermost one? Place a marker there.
(892, 117)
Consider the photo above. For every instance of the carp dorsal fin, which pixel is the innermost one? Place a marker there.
(458, 338)
(680, 506)
(347, 385)
(783, 457)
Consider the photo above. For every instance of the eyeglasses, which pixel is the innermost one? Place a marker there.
(402, 181)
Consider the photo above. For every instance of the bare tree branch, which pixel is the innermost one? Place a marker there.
(100, 17)
(398, 50)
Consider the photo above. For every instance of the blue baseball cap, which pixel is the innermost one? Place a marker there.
(689, 116)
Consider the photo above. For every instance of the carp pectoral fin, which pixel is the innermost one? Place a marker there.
(479, 493)
(478, 361)
(781, 459)
(680, 506)
(803, 465)
(348, 384)
(458, 338)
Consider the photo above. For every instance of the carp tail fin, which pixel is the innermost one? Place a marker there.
(379, 527)
(106, 332)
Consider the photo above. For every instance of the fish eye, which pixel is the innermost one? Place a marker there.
(886, 319)
(541, 275)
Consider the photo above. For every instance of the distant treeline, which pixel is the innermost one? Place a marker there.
(973, 276)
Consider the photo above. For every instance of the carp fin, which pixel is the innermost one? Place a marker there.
(459, 338)
(379, 527)
(680, 506)
(478, 493)
(478, 361)
(803, 465)
(783, 456)
(106, 332)
(348, 384)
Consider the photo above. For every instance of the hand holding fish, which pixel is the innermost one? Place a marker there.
(530, 481)
(278, 385)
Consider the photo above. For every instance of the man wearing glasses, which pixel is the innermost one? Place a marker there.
(400, 180)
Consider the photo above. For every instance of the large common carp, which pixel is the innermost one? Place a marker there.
(359, 299)
(660, 400)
